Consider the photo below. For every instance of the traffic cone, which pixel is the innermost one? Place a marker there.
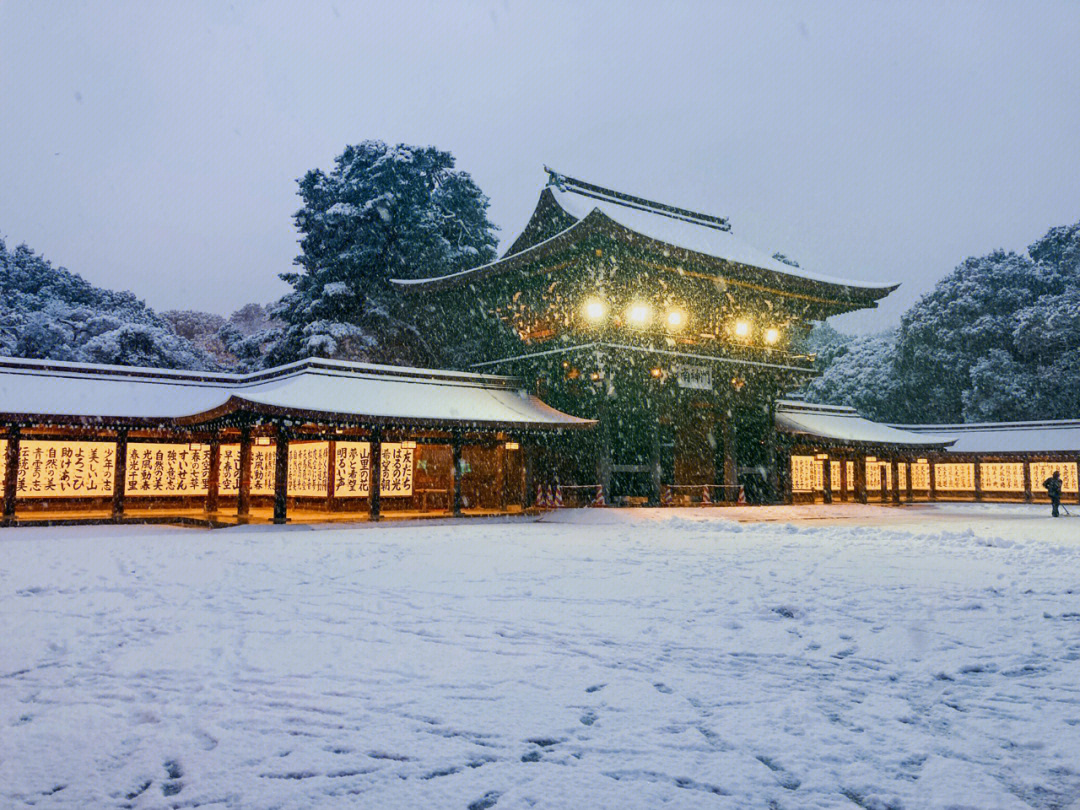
(742, 496)
(558, 497)
(599, 499)
(666, 498)
(541, 498)
(705, 499)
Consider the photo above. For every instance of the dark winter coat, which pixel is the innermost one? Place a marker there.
(1053, 488)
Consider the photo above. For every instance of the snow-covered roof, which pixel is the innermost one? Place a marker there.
(843, 424)
(691, 233)
(312, 387)
(1060, 436)
(670, 227)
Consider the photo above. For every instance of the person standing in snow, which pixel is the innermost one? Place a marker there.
(1053, 489)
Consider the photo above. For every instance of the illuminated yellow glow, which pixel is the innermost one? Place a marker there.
(742, 329)
(638, 314)
(595, 309)
(656, 372)
(676, 318)
(772, 335)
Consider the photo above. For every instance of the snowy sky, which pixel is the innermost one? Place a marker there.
(156, 146)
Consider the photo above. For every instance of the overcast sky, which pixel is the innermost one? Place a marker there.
(156, 146)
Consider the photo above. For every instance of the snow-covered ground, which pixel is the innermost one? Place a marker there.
(858, 656)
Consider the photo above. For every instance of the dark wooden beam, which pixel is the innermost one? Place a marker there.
(456, 455)
(120, 475)
(281, 475)
(243, 495)
(375, 475)
(11, 476)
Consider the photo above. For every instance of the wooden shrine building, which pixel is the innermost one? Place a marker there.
(656, 321)
(317, 440)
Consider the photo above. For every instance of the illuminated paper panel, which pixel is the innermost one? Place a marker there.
(1002, 477)
(873, 476)
(3, 461)
(352, 470)
(834, 471)
(802, 473)
(166, 469)
(1041, 470)
(920, 476)
(954, 476)
(262, 469)
(54, 469)
(309, 468)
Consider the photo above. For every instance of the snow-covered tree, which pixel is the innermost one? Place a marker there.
(996, 339)
(382, 212)
(51, 313)
(860, 373)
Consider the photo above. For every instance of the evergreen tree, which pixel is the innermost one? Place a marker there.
(998, 339)
(51, 313)
(382, 212)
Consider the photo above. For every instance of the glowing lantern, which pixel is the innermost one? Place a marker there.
(595, 309)
(772, 335)
(742, 329)
(638, 314)
(676, 318)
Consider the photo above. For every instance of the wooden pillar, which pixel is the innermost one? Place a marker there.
(375, 479)
(1027, 481)
(826, 479)
(119, 493)
(770, 456)
(500, 474)
(883, 480)
(11, 476)
(281, 475)
(731, 469)
(860, 478)
(910, 494)
(895, 467)
(455, 446)
(976, 463)
(528, 472)
(603, 445)
(931, 495)
(213, 480)
(784, 467)
(243, 494)
(845, 485)
(655, 472)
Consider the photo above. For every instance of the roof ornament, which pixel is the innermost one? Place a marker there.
(565, 183)
(555, 179)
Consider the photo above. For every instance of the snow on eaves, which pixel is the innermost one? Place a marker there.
(1057, 436)
(678, 233)
(313, 386)
(843, 424)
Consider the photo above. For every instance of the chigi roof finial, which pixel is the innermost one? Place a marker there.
(555, 179)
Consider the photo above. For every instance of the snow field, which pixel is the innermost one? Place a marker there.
(924, 657)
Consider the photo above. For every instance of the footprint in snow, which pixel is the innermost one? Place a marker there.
(663, 688)
(174, 772)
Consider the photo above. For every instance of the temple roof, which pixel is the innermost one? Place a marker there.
(44, 390)
(577, 208)
(841, 424)
(1052, 436)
